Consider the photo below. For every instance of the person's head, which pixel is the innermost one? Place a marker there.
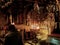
(12, 28)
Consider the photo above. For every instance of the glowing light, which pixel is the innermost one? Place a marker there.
(13, 23)
(35, 26)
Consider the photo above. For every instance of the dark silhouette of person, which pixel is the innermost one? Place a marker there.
(12, 37)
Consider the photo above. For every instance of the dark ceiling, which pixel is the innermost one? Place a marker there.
(18, 6)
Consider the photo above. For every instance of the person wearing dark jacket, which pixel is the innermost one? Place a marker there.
(12, 37)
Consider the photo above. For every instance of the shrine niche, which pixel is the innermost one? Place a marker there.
(41, 21)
